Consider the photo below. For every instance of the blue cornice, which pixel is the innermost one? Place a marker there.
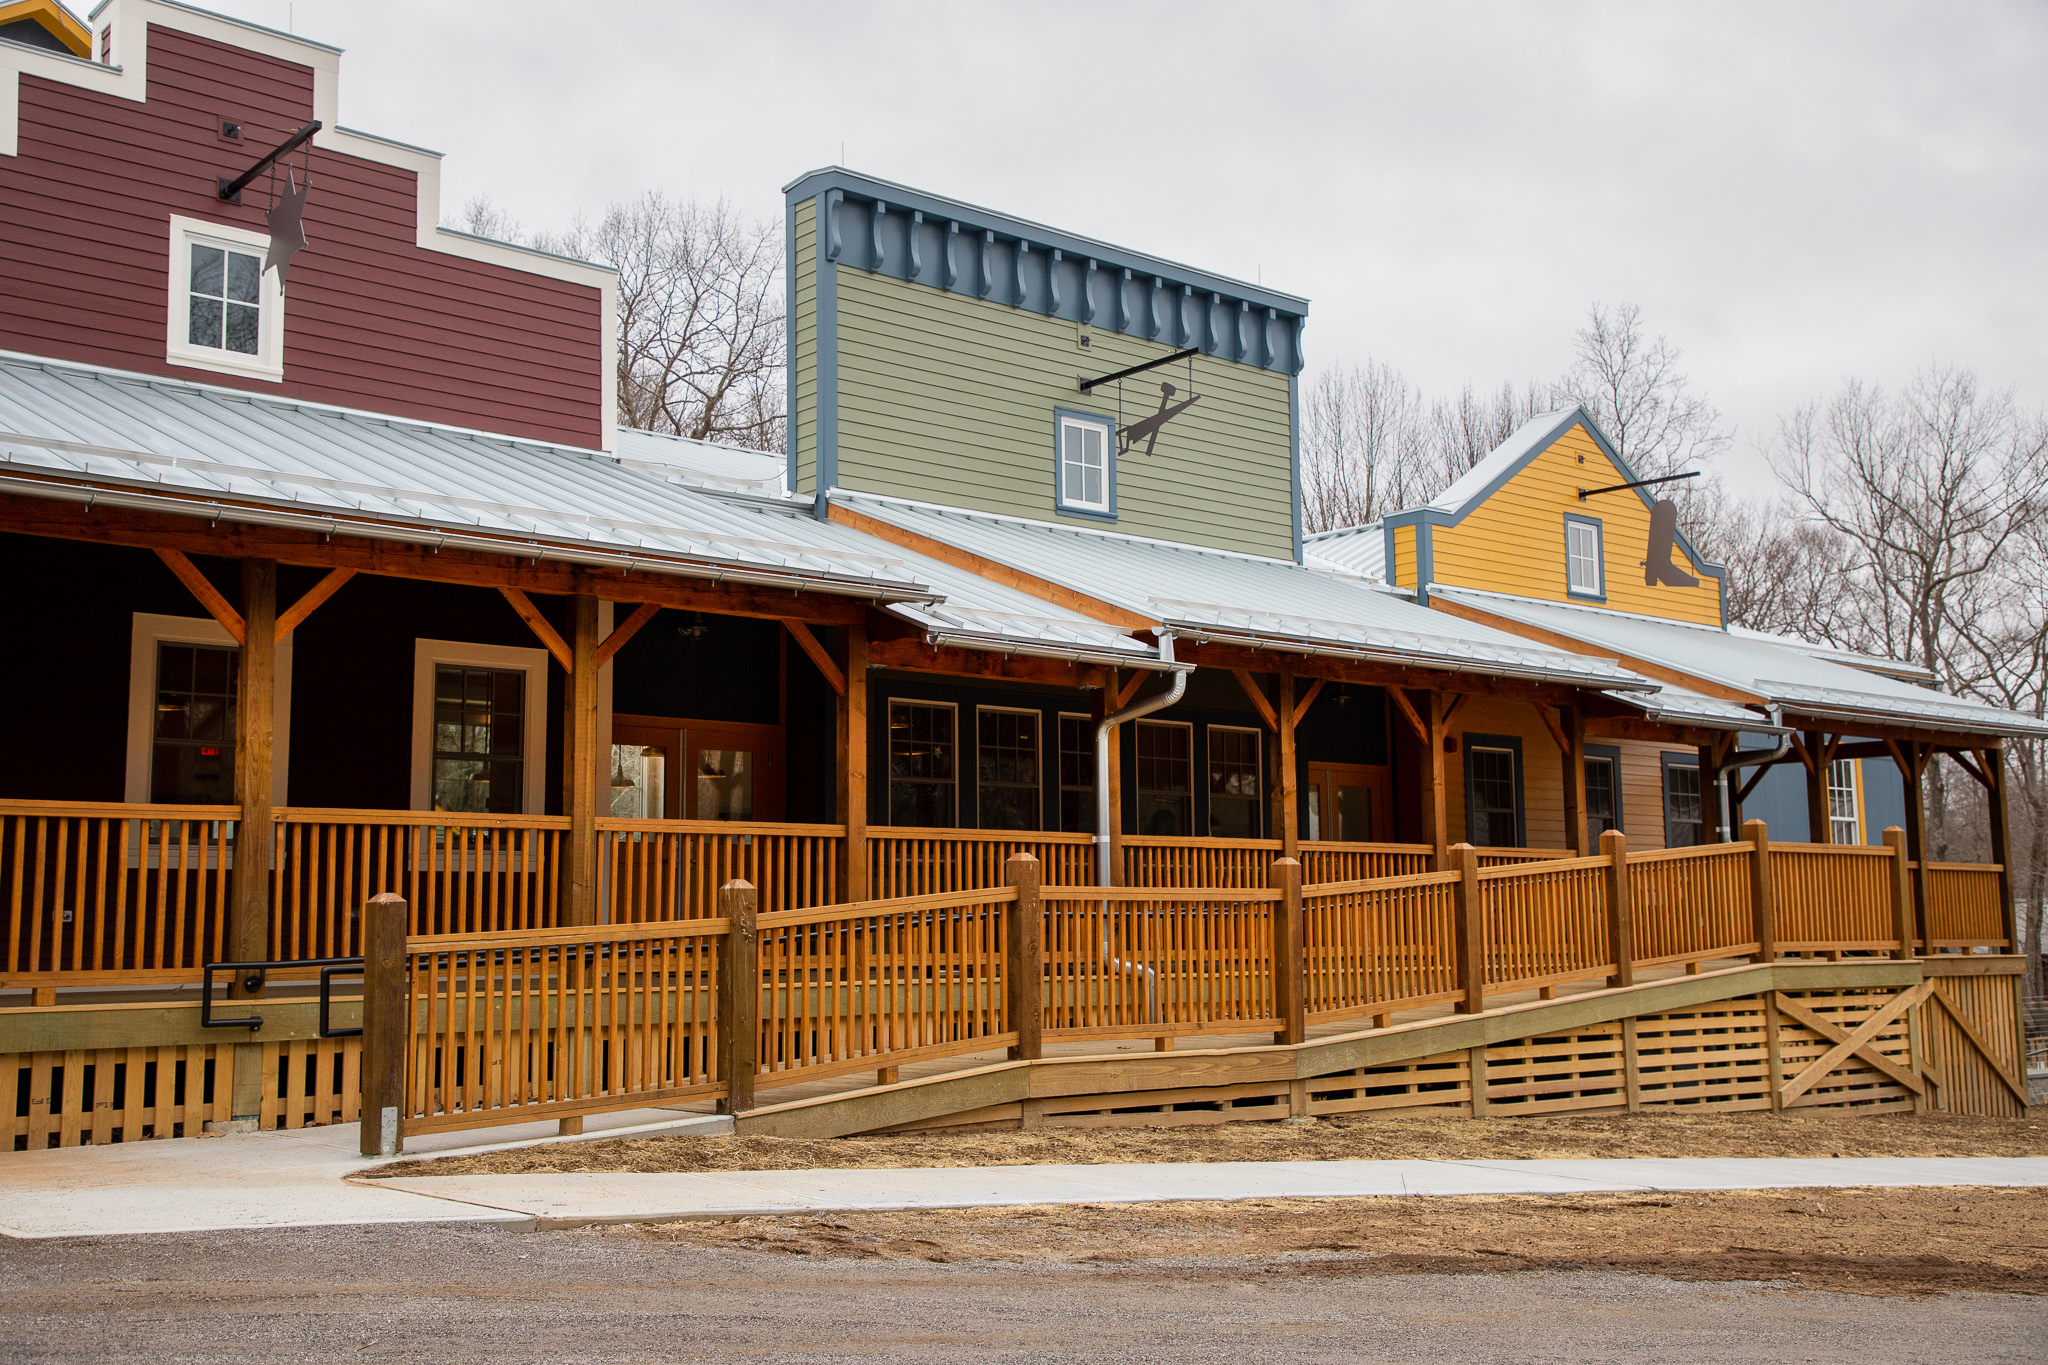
(894, 230)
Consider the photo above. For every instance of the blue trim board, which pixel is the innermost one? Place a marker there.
(789, 451)
(1059, 500)
(1294, 458)
(1600, 547)
(828, 362)
(1425, 561)
(912, 236)
(1510, 742)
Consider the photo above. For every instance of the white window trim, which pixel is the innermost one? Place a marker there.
(1108, 430)
(534, 725)
(147, 632)
(1599, 585)
(1853, 790)
(268, 362)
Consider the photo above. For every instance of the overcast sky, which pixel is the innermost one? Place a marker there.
(1793, 193)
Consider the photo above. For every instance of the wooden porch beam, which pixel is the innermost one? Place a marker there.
(1415, 721)
(1250, 687)
(542, 631)
(1308, 699)
(625, 631)
(1557, 736)
(801, 633)
(195, 535)
(1969, 766)
(209, 596)
(1130, 689)
(915, 656)
(311, 601)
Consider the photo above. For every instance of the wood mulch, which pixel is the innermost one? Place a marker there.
(1341, 1138)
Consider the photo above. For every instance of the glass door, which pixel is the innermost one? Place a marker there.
(1349, 803)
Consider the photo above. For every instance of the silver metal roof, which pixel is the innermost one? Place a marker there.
(1798, 681)
(1682, 706)
(1242, 599)
(194, 448)
(1360, 550)
(705, 463)
(82, 432)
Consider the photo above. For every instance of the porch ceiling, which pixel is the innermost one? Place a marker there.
(1237, 599)
(230, 455)
(1798, 680)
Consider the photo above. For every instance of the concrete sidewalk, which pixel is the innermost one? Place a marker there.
(573, 1199)
(314, 1177)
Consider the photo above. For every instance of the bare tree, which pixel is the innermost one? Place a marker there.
(1361, 430)
(700, 317)
(1782, 573)
(484, 217)
(1630, 384)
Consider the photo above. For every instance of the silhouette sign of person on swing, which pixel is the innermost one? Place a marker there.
(1147, 429)
(1658, 568)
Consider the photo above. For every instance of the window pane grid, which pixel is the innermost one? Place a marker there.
(1492, 798)
(225, 307)
(1683, 825)
(1842, 802)
(1084, 464)
(1077, 774)
(1582, 557)
(1166, 803)
(921, 772)
(1233, 783)
(1006, 767)
(479, 733)
(193, 752)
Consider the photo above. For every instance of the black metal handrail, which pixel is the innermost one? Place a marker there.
(330, 967)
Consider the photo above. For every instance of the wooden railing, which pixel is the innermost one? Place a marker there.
(672, 869)
(1155, 962)
(903, 861)
(553, 1023)
(460, 874)
(1833, 898)
(1515, 857)
(1546, 922)
(1325, 861)
(100, 892)
(1691, 904)
(1965, 906)
(1377, 946)
(1159, 860)
(904, 979)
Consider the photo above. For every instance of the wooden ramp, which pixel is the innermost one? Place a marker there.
(1778, 1035)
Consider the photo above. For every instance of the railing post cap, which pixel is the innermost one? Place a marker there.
(1022, 856)
(387, 898)
(737, 884)
(1284, 861)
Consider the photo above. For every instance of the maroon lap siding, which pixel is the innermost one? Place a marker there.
(371, 319)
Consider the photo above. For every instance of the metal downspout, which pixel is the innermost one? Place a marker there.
(1738, 759)
(1172, 694)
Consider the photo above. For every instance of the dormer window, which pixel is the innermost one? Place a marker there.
(1085, 464)
(226, 310)
(1582, 558)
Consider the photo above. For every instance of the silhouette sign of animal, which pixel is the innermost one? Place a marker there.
(1147, 429)
(1658, 568)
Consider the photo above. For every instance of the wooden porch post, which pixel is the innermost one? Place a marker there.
(1621, 930)
(1574, 730)
(1993, 761)
(1105, 703)
(385, 1042)
(1436, 819)
(1912, 761)
(1470, 932)
(1710, 796)
(255, 747)
(1290, 797)
(581, 770)
(853, 768)
(1819, 828)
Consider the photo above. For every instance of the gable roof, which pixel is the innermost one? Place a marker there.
(1511, 457)
(1360, 550)
(1235, 598)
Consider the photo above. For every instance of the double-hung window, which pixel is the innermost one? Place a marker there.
(193, 747)
(479, 737)
(922, 784)
(1077, 774)
(1166, 798)
(1493, 792)
(1603, 792)
(1006, 767)
(1086, 465)
(226, 312)
(1684, 813)
(1582, 560)
(1842, 823)
(1233, 782)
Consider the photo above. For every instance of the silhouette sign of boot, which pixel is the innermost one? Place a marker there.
(1658, 568)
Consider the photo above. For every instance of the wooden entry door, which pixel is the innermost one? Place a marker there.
(675, 769)
(1350, 802)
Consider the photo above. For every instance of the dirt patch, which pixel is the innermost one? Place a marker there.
(1343, 1138)
(1885, 1242)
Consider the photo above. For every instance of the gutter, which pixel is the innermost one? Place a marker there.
(999, 644)
(1441, 662)
(439, 539)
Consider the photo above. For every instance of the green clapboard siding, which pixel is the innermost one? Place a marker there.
(949, 399)
(803, 423)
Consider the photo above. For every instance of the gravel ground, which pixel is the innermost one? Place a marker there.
(1344, 1138)
(451, 1294)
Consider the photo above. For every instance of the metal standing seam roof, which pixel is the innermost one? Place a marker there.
(1242, 599)
(192, 447)
(1360, 550)
(77, 432)
(1791, 677)
(707, 464)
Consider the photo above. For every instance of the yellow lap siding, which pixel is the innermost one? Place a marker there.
(1514, 541)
